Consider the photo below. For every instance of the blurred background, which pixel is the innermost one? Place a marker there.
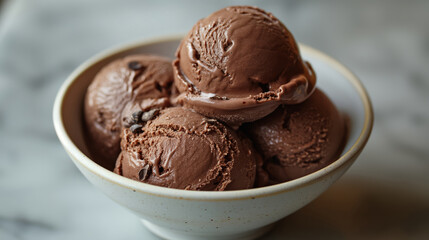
(385, 194)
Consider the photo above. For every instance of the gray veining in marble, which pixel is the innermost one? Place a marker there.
(386, 43)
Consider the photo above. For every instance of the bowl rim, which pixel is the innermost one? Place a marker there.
(86, 162)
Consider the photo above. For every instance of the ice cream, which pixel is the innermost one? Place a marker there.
(137, 81)
(239, 64)
(296, 140)
(238, 108)
(179, 148)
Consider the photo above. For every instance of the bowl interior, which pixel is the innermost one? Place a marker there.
(343, 94)
(335, 80)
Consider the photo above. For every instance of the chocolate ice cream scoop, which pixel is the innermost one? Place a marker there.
(141, 81)
(239, 64)
(179, 148)
(296, 140)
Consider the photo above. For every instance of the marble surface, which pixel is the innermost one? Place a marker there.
(385, 195)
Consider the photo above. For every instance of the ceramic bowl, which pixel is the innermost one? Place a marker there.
(242, 214)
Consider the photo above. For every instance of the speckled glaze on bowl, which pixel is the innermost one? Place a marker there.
(243, 214)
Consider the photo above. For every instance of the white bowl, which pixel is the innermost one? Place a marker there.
(243, 214)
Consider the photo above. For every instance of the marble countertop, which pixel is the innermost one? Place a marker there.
(386, 43)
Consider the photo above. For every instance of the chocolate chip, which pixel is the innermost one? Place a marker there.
(265, 87)
(134, 65)
(144, 172)
(136, 116)
(149, 115)
(136, 128)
